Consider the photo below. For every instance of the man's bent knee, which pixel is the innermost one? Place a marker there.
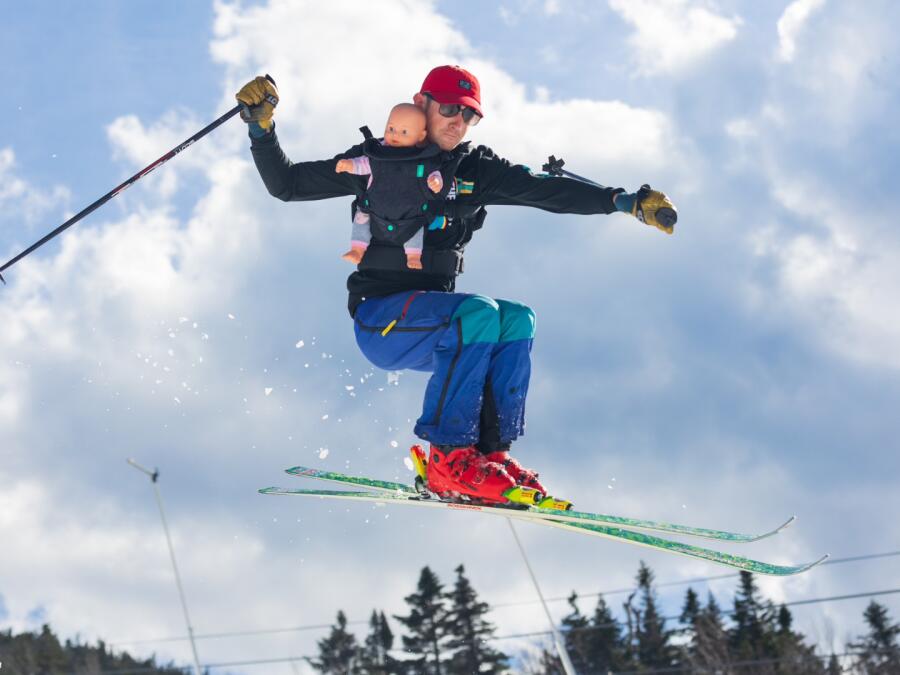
(480, 319)
(517, 321)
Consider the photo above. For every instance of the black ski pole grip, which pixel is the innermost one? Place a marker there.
(667, 217)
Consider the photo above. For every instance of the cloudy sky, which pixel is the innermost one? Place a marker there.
(738, 372)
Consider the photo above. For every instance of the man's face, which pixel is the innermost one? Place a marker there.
(445, 132)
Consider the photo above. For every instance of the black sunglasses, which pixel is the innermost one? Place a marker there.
(470, 115)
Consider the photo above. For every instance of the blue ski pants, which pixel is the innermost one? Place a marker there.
(477, 349)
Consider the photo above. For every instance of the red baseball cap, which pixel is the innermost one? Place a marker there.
(452, 84)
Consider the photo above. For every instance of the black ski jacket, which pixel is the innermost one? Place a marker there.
(482, 179)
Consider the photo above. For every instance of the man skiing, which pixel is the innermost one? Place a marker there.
(477, 348)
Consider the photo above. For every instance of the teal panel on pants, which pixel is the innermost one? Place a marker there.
(516, 321)
(480, 319)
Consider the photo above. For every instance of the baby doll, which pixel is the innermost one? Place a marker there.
(405, 129)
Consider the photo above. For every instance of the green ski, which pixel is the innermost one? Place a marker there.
(533, 512)
(615, 533)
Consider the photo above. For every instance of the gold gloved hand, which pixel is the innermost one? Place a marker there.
(259, 96)
(653, 207)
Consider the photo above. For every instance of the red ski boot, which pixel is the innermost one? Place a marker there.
(465, 471)
(522, 476)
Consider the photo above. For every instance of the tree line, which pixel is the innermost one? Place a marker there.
(41, 653)
(447, 632)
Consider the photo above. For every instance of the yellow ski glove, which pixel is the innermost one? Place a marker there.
(649, 206)
(259, 97)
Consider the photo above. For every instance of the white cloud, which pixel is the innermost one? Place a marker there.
(29, 202)
(671, 35)
(791, 23)
(835, 257)
(838, 278)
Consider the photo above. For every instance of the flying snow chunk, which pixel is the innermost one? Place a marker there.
(299, 344)
(268, 390)
(323, 453)
(177, 400)
(348, 387)
(409, 465)
(393, 376)
(183, 319)
(230, 315)
(394, 444)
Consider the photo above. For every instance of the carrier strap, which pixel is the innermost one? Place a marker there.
(440, 262)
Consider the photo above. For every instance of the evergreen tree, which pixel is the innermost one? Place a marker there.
(879, 651)
(426, 624)
(690, 611)
(338, 652)
(548, 663)
(834, 666)
(375, 657)
(576, 635)
(794, 656)
(605, 649)
(470, 632)
(690, 615)
(51, 657)
(751, 638)
(706, 646)
(653, 649)
(709, 646)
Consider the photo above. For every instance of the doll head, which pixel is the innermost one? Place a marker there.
(405, 126)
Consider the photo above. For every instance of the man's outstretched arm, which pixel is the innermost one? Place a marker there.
(500, 182)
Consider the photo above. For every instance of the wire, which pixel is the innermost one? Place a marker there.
(213, 636)
(809, 601)
(273, 631)
(696, 580)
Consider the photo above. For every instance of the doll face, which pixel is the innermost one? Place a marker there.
(405, 127)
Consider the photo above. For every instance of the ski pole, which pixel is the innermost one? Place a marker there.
(554, 167)
(128, 183)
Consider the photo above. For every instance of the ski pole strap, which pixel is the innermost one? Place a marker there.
(402, 314)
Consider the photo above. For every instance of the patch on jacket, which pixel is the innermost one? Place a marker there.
(464, 187)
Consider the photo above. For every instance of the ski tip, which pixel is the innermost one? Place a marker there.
(787, 523)
(300, 471)
(2, 279)
(821, 560)
(269, 490)
(816, 563)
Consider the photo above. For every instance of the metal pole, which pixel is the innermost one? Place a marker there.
(154, 477)
(557, 638)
